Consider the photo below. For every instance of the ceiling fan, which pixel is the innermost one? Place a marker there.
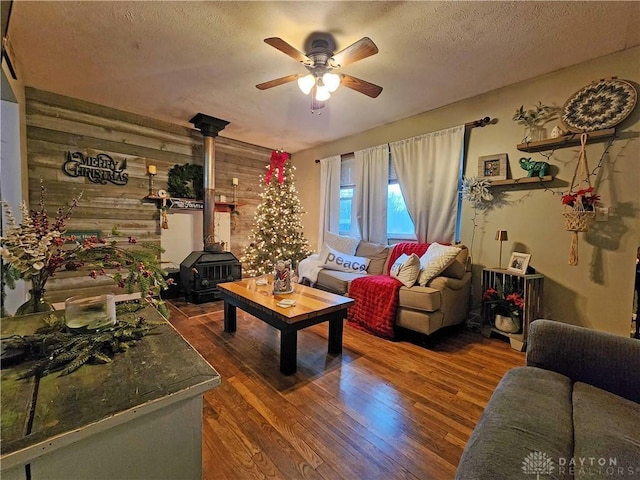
(321, 61)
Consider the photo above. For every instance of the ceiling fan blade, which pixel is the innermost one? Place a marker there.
(276, 82)
(370, 89)
(363, 48)
(284, 47)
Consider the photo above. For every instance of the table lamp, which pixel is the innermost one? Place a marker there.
(501, 236)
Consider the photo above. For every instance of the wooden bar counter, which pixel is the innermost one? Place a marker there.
(137, 417)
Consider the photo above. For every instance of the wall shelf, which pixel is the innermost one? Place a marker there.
(566, 141)
(521, 181)
(173, 203)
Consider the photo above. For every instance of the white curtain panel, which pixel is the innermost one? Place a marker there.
(329, 197)
(369, 208)
(428, 170)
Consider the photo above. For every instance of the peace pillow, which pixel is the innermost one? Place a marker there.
(406, 268)
(435, 260)
(335, 260)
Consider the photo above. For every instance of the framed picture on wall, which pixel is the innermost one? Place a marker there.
(519, 262)
(493, 167)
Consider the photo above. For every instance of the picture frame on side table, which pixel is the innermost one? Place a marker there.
(519, 262)
(493, 167)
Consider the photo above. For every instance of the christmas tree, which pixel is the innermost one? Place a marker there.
(278, 231)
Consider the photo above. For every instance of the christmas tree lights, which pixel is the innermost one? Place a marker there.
(278, 231)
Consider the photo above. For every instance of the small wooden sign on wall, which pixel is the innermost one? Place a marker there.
(185, 204)
(98, 169)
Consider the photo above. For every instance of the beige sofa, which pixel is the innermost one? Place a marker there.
(443, 302)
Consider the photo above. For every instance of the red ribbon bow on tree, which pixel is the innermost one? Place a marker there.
(278, 159)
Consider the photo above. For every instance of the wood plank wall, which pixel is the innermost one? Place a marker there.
(58, 124)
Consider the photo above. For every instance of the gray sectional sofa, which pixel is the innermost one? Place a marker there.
(572, 413)
(444, 302)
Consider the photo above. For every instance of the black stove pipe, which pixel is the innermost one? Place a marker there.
(209, 127)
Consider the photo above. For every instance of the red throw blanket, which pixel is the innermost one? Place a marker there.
(376, 299)
(376, 296)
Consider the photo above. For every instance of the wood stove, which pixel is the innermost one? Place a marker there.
(201, 272)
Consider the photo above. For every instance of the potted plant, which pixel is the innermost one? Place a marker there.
(534, 119)
(585, 197)
(506, 307)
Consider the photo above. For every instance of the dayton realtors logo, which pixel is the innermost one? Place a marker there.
(539, 463)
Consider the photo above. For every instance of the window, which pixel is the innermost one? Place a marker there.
(347, 187)
(346, 200)
(399, 223)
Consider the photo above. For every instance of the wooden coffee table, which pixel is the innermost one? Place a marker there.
(312, 306)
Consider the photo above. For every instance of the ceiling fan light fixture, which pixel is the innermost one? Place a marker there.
(331, 81)
(306, 83)
(319, 59)
(322, 93)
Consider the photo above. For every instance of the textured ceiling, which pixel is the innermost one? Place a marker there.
(171, 60)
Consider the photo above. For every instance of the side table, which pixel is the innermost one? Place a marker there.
(531, 286)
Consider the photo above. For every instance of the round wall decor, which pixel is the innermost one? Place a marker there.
(599, 105)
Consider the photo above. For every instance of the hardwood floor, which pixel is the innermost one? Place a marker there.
(381, 410)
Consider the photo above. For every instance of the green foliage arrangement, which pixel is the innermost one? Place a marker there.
(186, 181)
(55, 349)
(537, 116)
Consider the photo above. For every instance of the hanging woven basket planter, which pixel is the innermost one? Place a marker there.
(579, 214)
(578, 220)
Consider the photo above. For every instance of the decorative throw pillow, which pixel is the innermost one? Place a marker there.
(436, 259)
(335, 260)
(375, 252)
(341, 243)
(406, 268)
(458, 267)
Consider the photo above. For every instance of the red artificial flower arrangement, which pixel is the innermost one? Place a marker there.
(588, 198)
(504, 303)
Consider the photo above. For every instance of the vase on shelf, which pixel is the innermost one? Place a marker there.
(35, 304)
(507, 323)
(534, 133)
